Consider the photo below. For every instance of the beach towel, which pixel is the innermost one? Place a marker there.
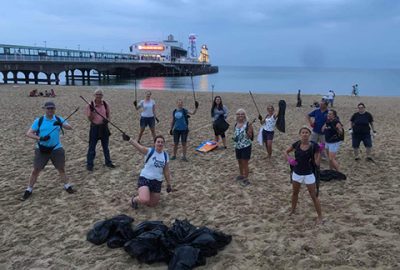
(280, 121)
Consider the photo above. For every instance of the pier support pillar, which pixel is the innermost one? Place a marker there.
(99, 76)
(5, 79)
(26, 73)
(36, 77)
(67, 77)
(15, 76)
(57, 77)
(48, 76)
(73, 76)
(83, 76)
(88, 76)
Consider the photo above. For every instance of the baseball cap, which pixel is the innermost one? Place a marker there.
(49, 104)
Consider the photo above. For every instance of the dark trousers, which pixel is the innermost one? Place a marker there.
(98, 132)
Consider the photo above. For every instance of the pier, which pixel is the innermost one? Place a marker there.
(44, 65)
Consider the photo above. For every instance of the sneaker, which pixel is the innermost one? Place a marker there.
(134, 204)
(357, 159)
(89, 168)
(369, 159)
(26, 195)
(70, 190)
(244, 183)
(173, 158)
(239, 177)
(184, 159)
(110, 165)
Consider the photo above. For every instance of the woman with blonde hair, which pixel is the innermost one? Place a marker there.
(243, 136)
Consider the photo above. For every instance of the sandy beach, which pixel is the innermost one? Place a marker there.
(48, 231)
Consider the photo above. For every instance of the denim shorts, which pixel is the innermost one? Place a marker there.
(147, 121)
(153, 185)
(356, 139)
(180, 134)
(333, 147)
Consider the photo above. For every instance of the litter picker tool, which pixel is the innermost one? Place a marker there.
(194, 95)
(212, 93)
(255, 104)
(135, 90)
(64, 121)
(111, 123)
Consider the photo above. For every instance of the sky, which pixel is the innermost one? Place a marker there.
(298, 33)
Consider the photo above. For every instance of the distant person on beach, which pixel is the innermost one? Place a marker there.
(334, 135)
(219, 113)
(52, 93)
(98, 112)
(180, 127)
(46, 93)
(151, 176)
(33, 93)
(361, 124)
(298, 99)
(242, 137)
(268, 130)
(331, 97)
(306, 161)
(355, 90)
(316, 119)
(46, 131)
(148, 115)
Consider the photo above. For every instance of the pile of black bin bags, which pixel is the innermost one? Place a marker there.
(183, 246)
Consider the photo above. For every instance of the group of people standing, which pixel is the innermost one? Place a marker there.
(324, 136)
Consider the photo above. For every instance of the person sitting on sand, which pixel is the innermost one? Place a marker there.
(180, 127)
(46, 93)
(334, 132)
(307, 158)
(33, 93)
(268, 127)
(151, 176)
(148, 115)
(52, 93)
(46, 131)
(242, 138)
(219, 112)
(361, 123)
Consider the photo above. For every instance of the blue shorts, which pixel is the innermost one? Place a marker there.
(243, 153)
(153, 185)
(356, 139)
(267, 135)
(180, 134)
(147, 121)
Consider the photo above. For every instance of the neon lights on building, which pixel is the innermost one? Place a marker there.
(151, 48)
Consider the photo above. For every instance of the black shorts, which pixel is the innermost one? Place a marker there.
(147, 121)
(356, 139)
(244, 153)
(267, 135)
(153, 185)
(182, 134)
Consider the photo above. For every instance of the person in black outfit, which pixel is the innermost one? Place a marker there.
(307, 158)
(333, 131)
(361, 123)
(298, 99)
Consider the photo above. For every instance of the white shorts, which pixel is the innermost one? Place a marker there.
(306, 179)
(332, 147)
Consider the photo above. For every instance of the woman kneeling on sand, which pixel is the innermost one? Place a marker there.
(307, 157)
(151, 176)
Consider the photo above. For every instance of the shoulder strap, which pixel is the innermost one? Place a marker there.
(150, 154)
(165, 157)
(39, 124)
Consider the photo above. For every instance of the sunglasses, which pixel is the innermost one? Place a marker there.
(50, 108)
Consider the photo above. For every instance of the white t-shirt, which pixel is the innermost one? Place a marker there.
(330, 95)
(154, 168)
(270, 123)
(147, 108)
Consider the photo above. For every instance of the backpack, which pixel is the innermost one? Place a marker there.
(186, 116)
(42, 148)
(315, 167)
(152, 150)
(247, 129)
(105, 106)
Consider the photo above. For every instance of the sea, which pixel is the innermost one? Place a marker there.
(275, 80)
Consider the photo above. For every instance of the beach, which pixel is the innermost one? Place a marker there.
(48, 231)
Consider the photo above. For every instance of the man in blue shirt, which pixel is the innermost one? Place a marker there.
(46, 131)
(319, 117)
(180, 127)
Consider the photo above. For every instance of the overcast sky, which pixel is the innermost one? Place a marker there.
(322, 33)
